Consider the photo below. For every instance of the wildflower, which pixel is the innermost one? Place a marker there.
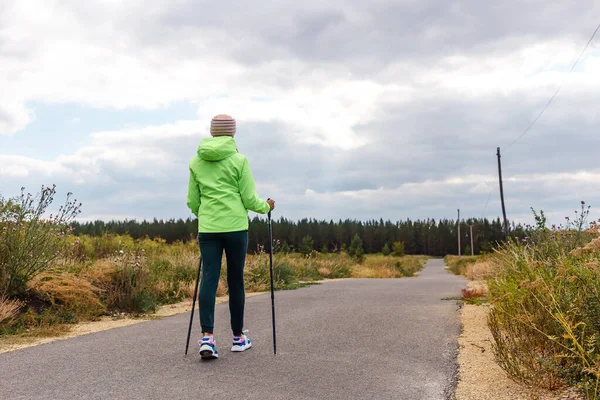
(120, 251)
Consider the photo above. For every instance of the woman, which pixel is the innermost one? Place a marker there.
(221, 191)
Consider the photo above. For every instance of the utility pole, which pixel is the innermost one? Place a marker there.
(502, 196)
(459, 232)
(472, 249)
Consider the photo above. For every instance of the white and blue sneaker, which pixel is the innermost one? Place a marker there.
(208, 348)
(241, 344)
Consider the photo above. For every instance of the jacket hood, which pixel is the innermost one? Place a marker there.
(217, 148)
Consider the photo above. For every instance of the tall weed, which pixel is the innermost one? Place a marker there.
(545, 315)
(29, 241)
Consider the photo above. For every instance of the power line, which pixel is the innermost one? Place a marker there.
(557, 90)
(487, 203)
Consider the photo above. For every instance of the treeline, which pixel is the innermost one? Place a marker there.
(431, 237)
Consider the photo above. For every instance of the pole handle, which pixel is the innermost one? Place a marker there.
(269, 214)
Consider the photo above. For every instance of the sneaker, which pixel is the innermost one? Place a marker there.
(241, 344)
(208, 348)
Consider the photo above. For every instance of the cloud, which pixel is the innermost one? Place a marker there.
(345, 109)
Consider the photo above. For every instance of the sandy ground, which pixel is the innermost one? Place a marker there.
(480, 378)
(15, 343)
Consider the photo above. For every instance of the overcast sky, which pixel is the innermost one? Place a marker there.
(345, 109)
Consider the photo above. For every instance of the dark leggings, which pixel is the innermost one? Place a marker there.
(212, 245)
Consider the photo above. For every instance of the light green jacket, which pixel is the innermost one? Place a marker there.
(221, 189)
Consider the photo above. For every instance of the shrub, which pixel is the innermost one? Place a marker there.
(398, 249)
(285, 248)
(546, 307)
(386, 250)
(356, 250)
(467, 250)
(307, 246)
(171, 279)
(130, 288)
(28, 241)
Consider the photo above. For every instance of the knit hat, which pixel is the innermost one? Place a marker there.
(222, 125)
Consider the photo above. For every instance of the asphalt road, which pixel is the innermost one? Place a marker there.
(350, 339)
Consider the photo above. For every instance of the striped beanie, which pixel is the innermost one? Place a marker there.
(222, 125)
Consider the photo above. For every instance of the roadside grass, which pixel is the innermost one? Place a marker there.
(546, 308)
(114, 274)
(544, 298)
(458, 264)
(476, 269)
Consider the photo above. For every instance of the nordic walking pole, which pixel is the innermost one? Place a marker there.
(272, 290)
(187, 344)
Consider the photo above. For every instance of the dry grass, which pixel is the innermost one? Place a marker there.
(115, 274)
(101, 272)
(481, 270)
(70, 292)
(545, 311)
(363, 271)
(591, 247)
(378, 266)
(458, 264)
(9, 309)
(324, 272)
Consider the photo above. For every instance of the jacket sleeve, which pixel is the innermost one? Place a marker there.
(193, 197)
(247, 190)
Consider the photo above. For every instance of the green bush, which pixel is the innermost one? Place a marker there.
(356, 250)
(398, 249)
(307, 246)
(386, 250)
(29, 240)
(131, 289)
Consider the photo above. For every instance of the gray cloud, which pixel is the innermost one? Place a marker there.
(374, 34)
(413, 146)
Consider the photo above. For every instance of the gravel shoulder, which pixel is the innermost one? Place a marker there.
(480, 377)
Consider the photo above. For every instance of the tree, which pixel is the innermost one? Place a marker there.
(356, 250)
(386, 250)
(307, 246)
(398, 249)
(432, 237)
(285, 247)
(467, 251)
(324, 249)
